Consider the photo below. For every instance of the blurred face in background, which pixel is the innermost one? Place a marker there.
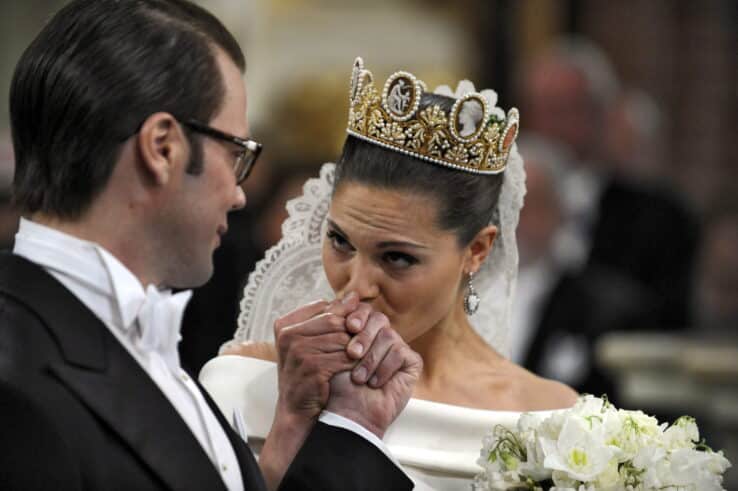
(540, 217)
(557, 105)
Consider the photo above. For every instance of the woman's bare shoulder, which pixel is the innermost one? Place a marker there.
(252, 349)
(543, 394)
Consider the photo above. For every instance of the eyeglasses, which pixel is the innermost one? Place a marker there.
(245, 159)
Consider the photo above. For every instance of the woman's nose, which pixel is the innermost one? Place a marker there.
(362, 280)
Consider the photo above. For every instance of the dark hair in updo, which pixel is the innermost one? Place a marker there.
(466, 202)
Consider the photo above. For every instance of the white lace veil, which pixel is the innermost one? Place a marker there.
(291, 273)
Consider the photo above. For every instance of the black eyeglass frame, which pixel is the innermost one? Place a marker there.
(251, 149)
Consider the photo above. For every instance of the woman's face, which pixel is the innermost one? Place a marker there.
(386, 245)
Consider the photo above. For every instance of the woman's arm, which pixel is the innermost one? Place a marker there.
(252, 349)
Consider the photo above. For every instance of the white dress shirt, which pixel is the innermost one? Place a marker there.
(145, 322)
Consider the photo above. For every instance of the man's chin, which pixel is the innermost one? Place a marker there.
(192, 277)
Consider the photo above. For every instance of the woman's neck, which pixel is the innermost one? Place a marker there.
(451, 352)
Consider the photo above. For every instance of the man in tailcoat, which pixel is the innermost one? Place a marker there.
(131, 139)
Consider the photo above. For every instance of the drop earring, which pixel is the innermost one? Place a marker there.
(471, 299)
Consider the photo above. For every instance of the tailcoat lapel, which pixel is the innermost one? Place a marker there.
(101, 373)
(250, 472)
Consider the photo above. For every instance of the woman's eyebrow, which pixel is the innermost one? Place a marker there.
(333, 224)
(381, 245)
(399, 243)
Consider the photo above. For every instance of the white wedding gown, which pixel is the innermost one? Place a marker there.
(436, 444)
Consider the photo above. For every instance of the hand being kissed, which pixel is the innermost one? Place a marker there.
(341, 356)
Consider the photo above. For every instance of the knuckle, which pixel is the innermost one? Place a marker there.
(343, 338)
(414, 357)
(386, 335)
(380, 319)
(335, 321)
(283, 342)
(364, 308)
(369, 360)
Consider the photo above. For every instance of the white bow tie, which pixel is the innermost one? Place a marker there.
(160, 321)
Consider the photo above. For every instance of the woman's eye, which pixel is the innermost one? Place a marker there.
(339, 242)
(399, 259)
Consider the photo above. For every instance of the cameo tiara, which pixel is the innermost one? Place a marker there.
(473, 137)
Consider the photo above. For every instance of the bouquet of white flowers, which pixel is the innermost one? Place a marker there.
(595, 447)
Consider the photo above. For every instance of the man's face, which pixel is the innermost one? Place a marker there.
(557, 106)
(540, 217)
(196, 218)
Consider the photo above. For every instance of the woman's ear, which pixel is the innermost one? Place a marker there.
(479, 248)
(162, 147)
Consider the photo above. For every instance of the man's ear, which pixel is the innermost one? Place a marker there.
(162, 146)
(479, 248)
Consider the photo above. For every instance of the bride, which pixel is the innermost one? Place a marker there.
(418, 218)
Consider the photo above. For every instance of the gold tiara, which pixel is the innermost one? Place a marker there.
(472, 137)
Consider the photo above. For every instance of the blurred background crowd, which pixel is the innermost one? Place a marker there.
(629, 236)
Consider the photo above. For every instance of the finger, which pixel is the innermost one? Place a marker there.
(356, 320)
(330, 343)
(392, 363)
(343, 306)
(358, 346)
(400, 359)
(288, 339)
(412, 362)
(374, 356)
(311, 363)
(299, 315)
(336, 362)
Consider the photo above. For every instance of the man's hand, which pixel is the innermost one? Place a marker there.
(391, 368)
(312, 344)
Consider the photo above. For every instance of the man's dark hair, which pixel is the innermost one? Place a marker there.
(90, 79)
(466, 202)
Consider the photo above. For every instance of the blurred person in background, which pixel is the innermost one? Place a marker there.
(634, 241)
(540, 221)
(560, 309)
(634, 136)
(287, 185)
(716, 296)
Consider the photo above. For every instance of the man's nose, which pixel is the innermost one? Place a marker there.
(240, 199)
